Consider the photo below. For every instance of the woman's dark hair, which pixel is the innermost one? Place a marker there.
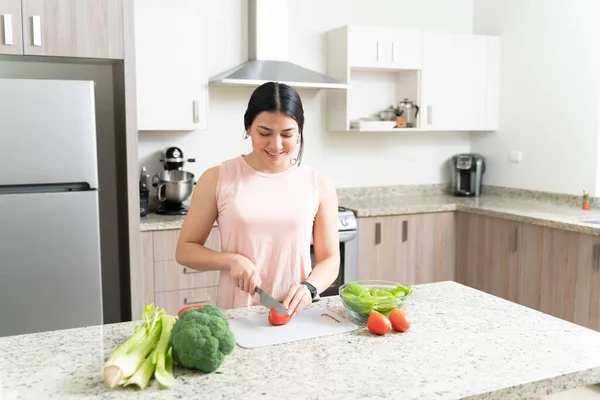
(276, 97)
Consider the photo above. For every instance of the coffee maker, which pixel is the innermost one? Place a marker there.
(174, 185)
(467, 173)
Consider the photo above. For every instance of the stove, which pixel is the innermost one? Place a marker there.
(348, 240)
(346, 219)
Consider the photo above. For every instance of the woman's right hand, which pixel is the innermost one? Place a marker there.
(245, 274)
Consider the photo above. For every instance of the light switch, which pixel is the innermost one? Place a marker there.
(515, 156)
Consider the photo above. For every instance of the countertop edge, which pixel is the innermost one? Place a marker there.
(567, 381)
(163, 223)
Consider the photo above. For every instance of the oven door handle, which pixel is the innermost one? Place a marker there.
(346, 236)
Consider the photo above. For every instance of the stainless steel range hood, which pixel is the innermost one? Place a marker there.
(268, 53)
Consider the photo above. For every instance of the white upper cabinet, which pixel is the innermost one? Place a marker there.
(386, 48)
(172, 86)
(453, 78)
(459, 82)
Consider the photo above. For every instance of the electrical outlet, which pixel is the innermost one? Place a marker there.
(515, 156)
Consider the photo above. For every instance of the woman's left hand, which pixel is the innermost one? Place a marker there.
(297, 299)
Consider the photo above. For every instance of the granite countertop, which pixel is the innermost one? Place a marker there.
(546, 213)
(157, 222)
(463, 344)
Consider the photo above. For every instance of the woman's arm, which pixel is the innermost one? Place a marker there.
(197, 225)
(326, 239)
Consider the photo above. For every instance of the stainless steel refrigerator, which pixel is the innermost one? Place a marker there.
(50, 269)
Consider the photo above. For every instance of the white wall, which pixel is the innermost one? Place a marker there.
(549, 89)
(392, 158)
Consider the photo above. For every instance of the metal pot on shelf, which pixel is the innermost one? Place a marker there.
(408, 110)
(173, 186)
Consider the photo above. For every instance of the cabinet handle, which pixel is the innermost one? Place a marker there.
(516, 239)
(37, 30)
(379, 50)
(190, 271)
(595, 257)
(404, 231)
(8, 29)
(377, 232)
(192, 301)
(196, 105)
(429, 114)
(394, 53)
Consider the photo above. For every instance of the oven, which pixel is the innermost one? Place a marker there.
(348, 241)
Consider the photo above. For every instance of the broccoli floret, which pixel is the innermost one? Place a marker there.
(202, 338)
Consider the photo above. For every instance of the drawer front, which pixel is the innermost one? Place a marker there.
(172, 302)
(169, 275)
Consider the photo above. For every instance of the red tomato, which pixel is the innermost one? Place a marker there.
(378, 323)
(186, 308)
(400, 321)
(278, 319)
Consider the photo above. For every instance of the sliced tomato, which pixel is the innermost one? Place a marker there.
(400, 321)
(278, 319)
(378, 323)
(186, 308)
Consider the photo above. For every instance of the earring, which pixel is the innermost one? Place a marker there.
(293, 161)
(246, 135)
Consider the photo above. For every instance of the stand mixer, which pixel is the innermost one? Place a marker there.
(174, 185)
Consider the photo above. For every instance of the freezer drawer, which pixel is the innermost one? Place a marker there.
(50, 270)
(48, 130)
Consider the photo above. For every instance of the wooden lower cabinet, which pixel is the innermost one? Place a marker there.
(162, 281)
(409, 249)
(551, 270)
(172, 302)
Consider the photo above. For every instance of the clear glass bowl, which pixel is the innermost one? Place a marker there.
(360, 307)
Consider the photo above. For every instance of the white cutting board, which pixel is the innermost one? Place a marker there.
(255, 330)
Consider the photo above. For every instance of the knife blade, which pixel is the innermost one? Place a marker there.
(269, 302)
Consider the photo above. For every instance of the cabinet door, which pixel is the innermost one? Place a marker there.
(454, 82)
(468, 243)
(486, 254)
(11, 36)
(368, 47)
(378, 47)
(587, 299)
(559, 273)
(380, 249)
(430, 247)
(171, 79)
(530, 255)
(73, 28)
(142, 277)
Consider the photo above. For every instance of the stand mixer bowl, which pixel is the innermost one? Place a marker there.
(174, 186)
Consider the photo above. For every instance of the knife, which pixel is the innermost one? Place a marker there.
(269, 302)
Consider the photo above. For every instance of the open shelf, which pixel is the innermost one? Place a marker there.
(392, 130)
(372, 91)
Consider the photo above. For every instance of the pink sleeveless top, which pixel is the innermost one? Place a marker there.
(267, 218)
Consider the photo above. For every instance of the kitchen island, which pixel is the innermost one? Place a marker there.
(463, 344)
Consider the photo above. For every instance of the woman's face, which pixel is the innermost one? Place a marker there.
(275, 137)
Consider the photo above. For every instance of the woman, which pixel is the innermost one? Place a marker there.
(267, 206)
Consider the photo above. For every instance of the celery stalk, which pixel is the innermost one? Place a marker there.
(142, 376)
(161, 353)
(126, 359)
(169, 362)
